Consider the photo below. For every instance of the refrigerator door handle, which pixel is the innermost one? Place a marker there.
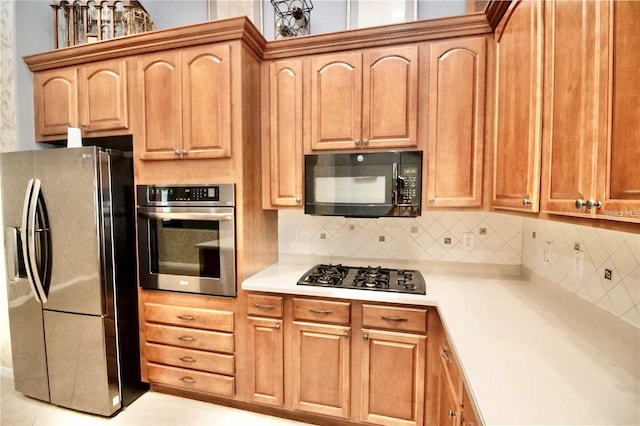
(29, 246)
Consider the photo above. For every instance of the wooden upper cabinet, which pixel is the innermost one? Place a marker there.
(591, 144)
(104, 96)
(55, 101)
(390, 97)
(575, 99)
(336, 101)
(185, 103)
(284, 156)
(364, 99)
(516, 168)
(456, 88)
(618, 175)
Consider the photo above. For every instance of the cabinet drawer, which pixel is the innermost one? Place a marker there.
(405, 319)
(189, 358)
(189, 317)
(192, 380)
(264, 306)
(190, 338)
(322, 310)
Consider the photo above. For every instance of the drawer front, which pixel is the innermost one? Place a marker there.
(405, 319)
(190, 358)
(264, 306)
(193, 380)
(207, 319)
(190, 338)
(322, 310)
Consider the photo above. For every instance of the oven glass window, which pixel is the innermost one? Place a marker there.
(185, 247)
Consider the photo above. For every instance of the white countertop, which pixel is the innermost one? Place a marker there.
(531, 352)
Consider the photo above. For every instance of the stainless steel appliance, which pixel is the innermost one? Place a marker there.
(186, 238)
(365, 278)
(373, 184)
(70, 255)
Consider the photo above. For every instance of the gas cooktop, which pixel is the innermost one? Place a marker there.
(365, 278)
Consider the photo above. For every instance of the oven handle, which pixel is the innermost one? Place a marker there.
(187, 216)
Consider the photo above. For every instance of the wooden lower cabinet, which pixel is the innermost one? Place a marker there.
(393, 378)
(266, 357)
(321, 370)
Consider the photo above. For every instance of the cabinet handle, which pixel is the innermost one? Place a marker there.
(443, 354)
(298, 199)
(188, 379)
(526, 202)
(187, 359)
(185, 152)
(589, 204)
(395, 319)
(345, 335)
(267, 307)
(452, 413)
(321, 311)
(176, 152)
(83, 124)
(187, 317)
(357, 142)
(187, 338)
(276, 327)
(365, 142)
(365, 337)
(432, 200)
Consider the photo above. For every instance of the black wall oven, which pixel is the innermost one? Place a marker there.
(186, 238)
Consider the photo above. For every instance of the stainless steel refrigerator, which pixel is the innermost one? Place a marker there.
(71, 274)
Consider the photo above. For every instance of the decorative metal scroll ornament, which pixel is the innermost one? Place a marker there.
(291, 17)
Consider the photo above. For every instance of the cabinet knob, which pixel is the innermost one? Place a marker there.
(83, 124)
(589, 204)
(365, 141)
(176, 152)
(526, 202)
(298, 200)
(432, 200)
(452, 413)
(357, 142)
(185, 152)
(365, 337)
(276, 327)
(345, 335)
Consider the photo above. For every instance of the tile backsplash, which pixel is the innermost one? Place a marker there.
(490, 238)
(551, 254)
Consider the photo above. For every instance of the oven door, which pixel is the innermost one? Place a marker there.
(187, 249)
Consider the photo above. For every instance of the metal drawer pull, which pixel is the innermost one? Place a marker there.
(259, 306)
(396, 319)
(188, 379)
(187, 317)
(187, 359)
(276, 327)
(443, 354)
(187, 338)
(452, 413)
(321, 311)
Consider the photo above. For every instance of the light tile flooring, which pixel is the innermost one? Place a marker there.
(152, 408)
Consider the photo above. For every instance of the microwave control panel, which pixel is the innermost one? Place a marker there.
(408, 185)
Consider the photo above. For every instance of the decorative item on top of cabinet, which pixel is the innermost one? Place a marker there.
(266, 349)
(92, 96)
(393, 396)
(456, 73)
(282, 156)
(516, 162)
(590, 156)
(320, 357)
(365, 99)
(185, 103)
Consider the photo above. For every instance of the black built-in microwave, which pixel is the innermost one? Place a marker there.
(364, 184)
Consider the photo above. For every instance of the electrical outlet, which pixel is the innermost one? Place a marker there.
(547, 251)
(578, 262)
(467, 240)
(447, 240)
(608, 274)
(482, 231)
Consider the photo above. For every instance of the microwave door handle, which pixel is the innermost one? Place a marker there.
(31, 237)
(394, 193)
(188, 216)
(25, 239)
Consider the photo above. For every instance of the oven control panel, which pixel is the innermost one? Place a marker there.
(166, 195)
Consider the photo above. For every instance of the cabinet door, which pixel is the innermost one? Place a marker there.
(456, 122)
(206, 102)
(160, 105)
(390, 97)
(285, 133)
(449, 410)
(266, 354)
(575, 102)
(320, 368)
(55, 101)
(393, 378)
(336, 101)
(618, 168)
(103, 96)
(516, 178)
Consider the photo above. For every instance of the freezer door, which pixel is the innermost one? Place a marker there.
(82, 362)
(27, 341)
(70, 188)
